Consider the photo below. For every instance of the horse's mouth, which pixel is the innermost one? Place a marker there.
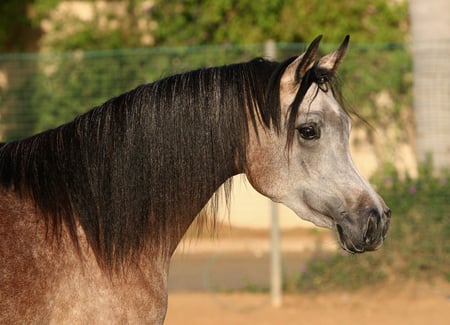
(355, 235)
(346, 243)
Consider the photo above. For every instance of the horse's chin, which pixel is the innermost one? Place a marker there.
(318, 219)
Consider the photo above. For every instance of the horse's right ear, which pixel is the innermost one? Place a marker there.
(331, 61)
(298, 68)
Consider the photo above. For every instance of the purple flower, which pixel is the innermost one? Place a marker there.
(303, 268)
(413, 189)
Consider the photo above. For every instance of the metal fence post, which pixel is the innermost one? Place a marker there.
(276, 276)
(276, 281)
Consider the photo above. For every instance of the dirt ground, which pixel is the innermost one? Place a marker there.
(232, 260)
(414, 303)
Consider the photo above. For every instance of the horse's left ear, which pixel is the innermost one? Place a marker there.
(331, 61)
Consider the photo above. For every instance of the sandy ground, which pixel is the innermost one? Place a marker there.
(233, 261)
(421, 304)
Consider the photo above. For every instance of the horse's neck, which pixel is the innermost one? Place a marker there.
(179, 219)
(207, 207)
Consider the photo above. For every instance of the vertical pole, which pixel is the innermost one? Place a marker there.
(270, 49)
(275, 251)
(275, 259)
(430, 31)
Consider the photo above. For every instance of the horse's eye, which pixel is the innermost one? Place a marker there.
(309, 131)
(323, 83)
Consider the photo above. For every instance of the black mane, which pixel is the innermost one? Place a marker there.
(129, 170)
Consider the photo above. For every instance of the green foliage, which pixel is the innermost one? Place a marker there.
(418, 244)
(245, 21)
(61, 96)
(113, 25)
(333, 272)
(188, 22)
(17, 31)
(378, 70)
(213, 22)
(42, 8)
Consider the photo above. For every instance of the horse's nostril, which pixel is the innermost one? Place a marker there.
(340, 231)
(387, 213)
(372, 225)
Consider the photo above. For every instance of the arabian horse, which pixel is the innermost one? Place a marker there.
(92, 211)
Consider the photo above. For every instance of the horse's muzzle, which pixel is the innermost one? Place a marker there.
(368, 235)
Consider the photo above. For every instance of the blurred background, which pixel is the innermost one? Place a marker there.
(60, 58)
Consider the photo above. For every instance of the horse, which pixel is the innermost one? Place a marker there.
(92, 211)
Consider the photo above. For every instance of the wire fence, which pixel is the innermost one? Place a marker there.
(41, 91)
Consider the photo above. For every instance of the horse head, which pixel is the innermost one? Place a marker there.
(306, 164)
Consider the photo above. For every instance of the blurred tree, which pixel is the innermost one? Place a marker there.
(137, 23)
(93, 25)
(18, 33)
(247, 21)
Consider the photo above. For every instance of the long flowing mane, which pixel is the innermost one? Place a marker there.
(132, 168)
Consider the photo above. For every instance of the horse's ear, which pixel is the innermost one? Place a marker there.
(298, 68)
(331, 61)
